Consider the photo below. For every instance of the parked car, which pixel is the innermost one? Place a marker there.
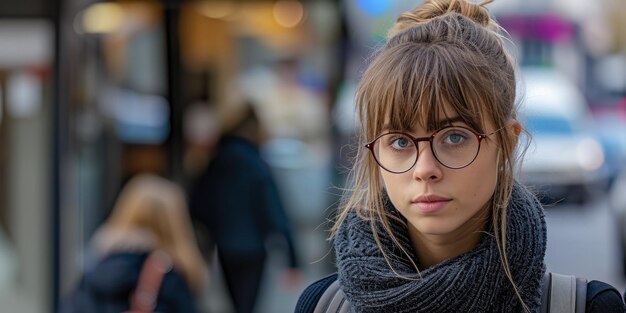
(565, 161)
(611, 131)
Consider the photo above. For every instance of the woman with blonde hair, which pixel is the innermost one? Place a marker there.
(150, 215)
(434, 219)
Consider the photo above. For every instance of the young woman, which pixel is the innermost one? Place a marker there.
(434, 220)
(150, 215)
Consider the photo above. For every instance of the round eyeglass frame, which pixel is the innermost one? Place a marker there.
(430, 138)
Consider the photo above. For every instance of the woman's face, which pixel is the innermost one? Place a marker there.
(437, 200)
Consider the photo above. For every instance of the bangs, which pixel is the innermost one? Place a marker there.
(424, 86)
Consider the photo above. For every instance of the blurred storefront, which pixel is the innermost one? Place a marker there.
(94, 92)
(26, 101)
(157, 80)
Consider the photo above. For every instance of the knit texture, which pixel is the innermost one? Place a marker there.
(472, 282)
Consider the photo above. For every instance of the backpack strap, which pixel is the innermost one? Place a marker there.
(144, 299)
(563, 293)
(581, 295)
(545, 293)
(333, 300)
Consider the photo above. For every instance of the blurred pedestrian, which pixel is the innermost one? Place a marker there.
(150, 221)
(238, 201)
(434, 219)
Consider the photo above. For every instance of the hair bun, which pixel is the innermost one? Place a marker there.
(434, 8)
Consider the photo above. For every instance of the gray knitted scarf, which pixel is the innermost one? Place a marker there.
(472, 282)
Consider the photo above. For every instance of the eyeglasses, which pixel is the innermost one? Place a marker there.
(455, 147)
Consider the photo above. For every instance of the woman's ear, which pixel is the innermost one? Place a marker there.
(514, 130)
(517, 127)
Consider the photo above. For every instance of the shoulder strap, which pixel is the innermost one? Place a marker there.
(333, 300)
(563, 293)
(144, 299)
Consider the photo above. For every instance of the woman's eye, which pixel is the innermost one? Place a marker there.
(455, 138)
(401, 143)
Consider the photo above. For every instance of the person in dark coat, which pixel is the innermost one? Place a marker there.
(238, 202)
(150, 215)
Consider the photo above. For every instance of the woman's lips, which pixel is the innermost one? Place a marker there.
(430, 203)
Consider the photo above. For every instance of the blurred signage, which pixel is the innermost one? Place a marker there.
(25, 42)
(550, 28)
(140, 118)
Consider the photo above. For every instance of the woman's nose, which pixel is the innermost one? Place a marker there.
(427, 168)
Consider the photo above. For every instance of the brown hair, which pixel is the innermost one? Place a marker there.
(442, 52)
(157, 206)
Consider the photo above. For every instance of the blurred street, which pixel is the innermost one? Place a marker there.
(583, 241)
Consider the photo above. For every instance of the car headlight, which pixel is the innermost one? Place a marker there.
(589, 154)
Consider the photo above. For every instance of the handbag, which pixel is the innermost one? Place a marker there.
(144, 298)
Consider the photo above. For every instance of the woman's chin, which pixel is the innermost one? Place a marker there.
(433, 226)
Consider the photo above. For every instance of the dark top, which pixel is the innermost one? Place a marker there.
(601, 297)
(107, 287)
(237, 199)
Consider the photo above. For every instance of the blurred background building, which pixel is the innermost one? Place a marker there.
(92, 92)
